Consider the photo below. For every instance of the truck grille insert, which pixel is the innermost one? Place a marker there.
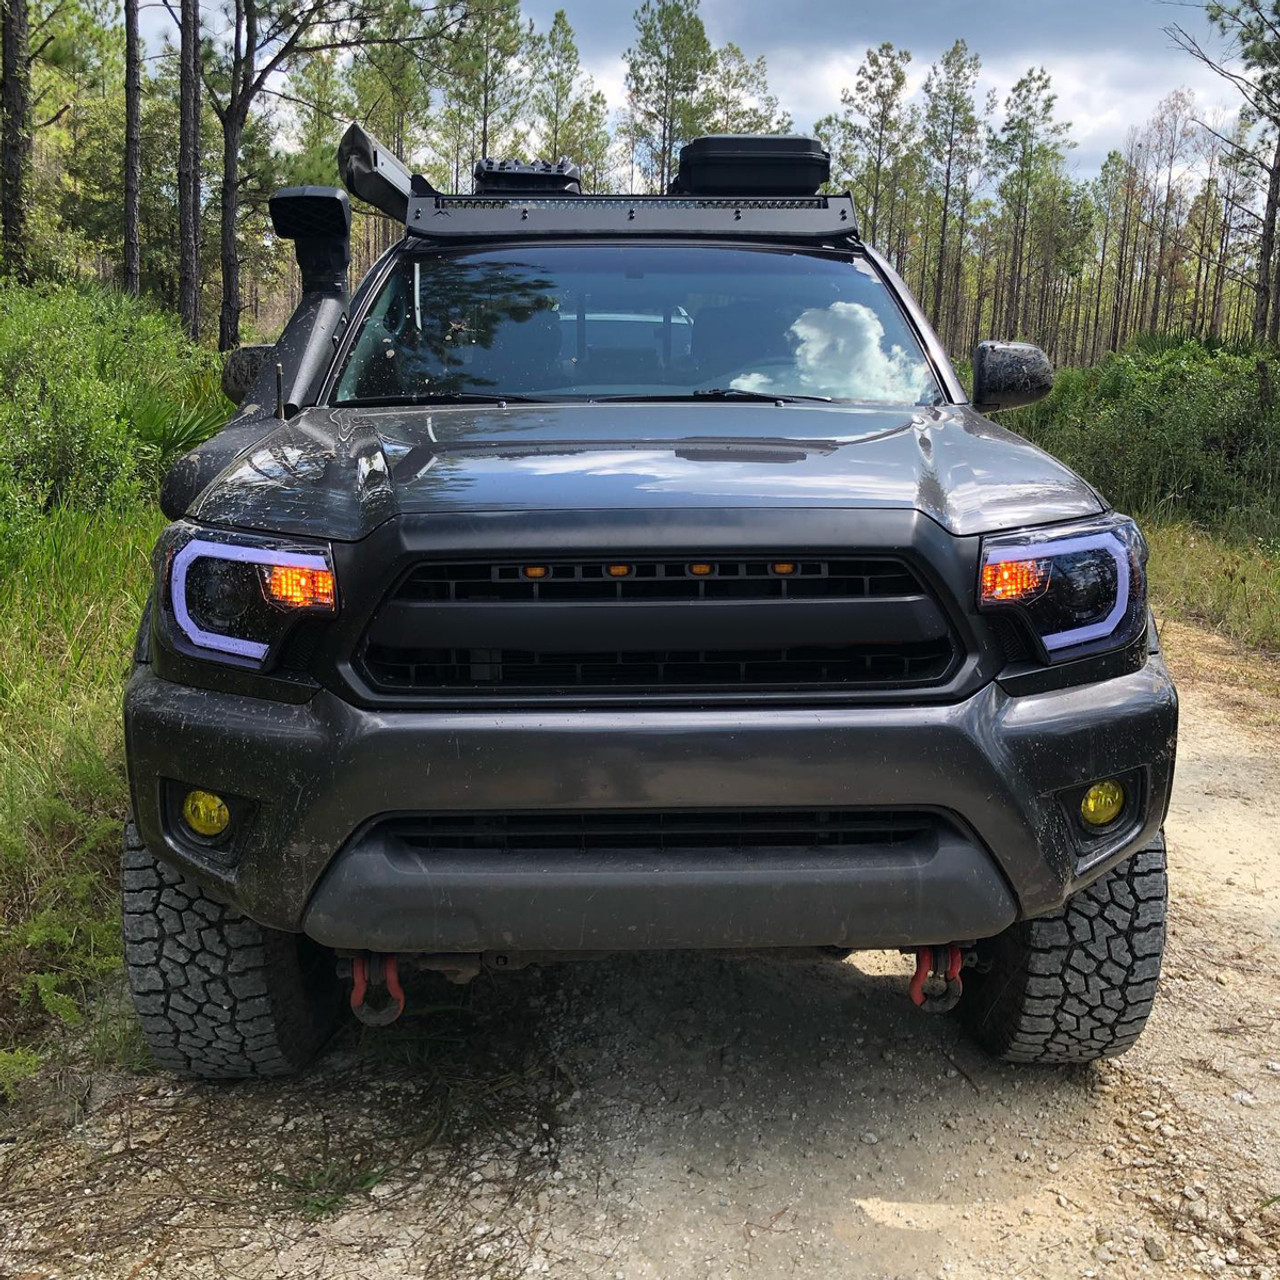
(677, 627)
(691, 579)
(665, 829)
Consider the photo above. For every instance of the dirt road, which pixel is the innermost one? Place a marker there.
(687, 1117)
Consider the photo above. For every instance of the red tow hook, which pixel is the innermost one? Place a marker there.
(375, 971)
(936, 986)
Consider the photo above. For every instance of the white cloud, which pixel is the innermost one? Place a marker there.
(1103, 94)
(841, 352)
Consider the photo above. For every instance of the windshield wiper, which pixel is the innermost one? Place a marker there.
(717, 393)
(741, 393)
(444, 397)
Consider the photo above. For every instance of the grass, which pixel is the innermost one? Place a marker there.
(322, 1190)
(1230, 585)
(70, 600)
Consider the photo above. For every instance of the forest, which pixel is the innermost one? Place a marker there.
(134, 177)
(973, 198)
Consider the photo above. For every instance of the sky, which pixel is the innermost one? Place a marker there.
(1110, 60)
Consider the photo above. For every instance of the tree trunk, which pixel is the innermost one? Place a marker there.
(942, 240)
(189, 170)
(1097, 294)
(15, 138)
(954, 310)
(229, 316)
(1262, 300)
(132, 147)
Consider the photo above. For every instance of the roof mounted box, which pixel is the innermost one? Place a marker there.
(516, 178)
(731, 164)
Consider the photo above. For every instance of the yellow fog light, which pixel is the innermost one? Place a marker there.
(1103, 803)
(206, 814)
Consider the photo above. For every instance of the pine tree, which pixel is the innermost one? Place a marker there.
(665, 69)
(737, 99)
(953, 144)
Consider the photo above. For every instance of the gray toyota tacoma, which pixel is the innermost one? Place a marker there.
(614, 573)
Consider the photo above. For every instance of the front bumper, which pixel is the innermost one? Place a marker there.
(319, 779)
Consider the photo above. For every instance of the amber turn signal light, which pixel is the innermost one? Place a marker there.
(294, 587)
(1013, 581)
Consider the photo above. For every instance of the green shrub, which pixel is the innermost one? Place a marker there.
(98, 393)
(1178, 432)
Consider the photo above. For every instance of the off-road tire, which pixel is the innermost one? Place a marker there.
(218, 995)
(1076, 985)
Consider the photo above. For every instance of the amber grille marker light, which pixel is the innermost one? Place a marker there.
(535, 571)
(700, 570)
(298, 588)
(783, 568)
(1009, 581)
(619, 570)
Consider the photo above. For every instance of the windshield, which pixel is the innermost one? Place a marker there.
(561, 322)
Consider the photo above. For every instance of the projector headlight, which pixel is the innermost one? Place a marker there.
(236, 598)
(1082, 588)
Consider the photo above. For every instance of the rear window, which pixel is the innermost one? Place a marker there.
(561, 322)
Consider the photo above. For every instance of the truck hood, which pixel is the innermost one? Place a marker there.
(338, 473)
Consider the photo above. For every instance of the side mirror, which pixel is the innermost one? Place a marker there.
(1009, 374)
(240, 369)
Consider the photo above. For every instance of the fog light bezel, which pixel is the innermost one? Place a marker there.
(220, 852)
(1096, 844)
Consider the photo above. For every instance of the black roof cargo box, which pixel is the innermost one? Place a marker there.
(732, 164)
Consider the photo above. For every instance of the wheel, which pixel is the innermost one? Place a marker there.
(1078, 984)
(218, 995)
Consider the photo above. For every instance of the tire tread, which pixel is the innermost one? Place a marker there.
(1078, 984)
(217, 994)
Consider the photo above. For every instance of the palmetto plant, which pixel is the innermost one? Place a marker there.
(173, 420)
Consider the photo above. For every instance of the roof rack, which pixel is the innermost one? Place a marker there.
(800, 218)
(515, 200)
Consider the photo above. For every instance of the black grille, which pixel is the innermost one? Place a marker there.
(664, 829)
(776, 579)
(847, 665)
(675, 626)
